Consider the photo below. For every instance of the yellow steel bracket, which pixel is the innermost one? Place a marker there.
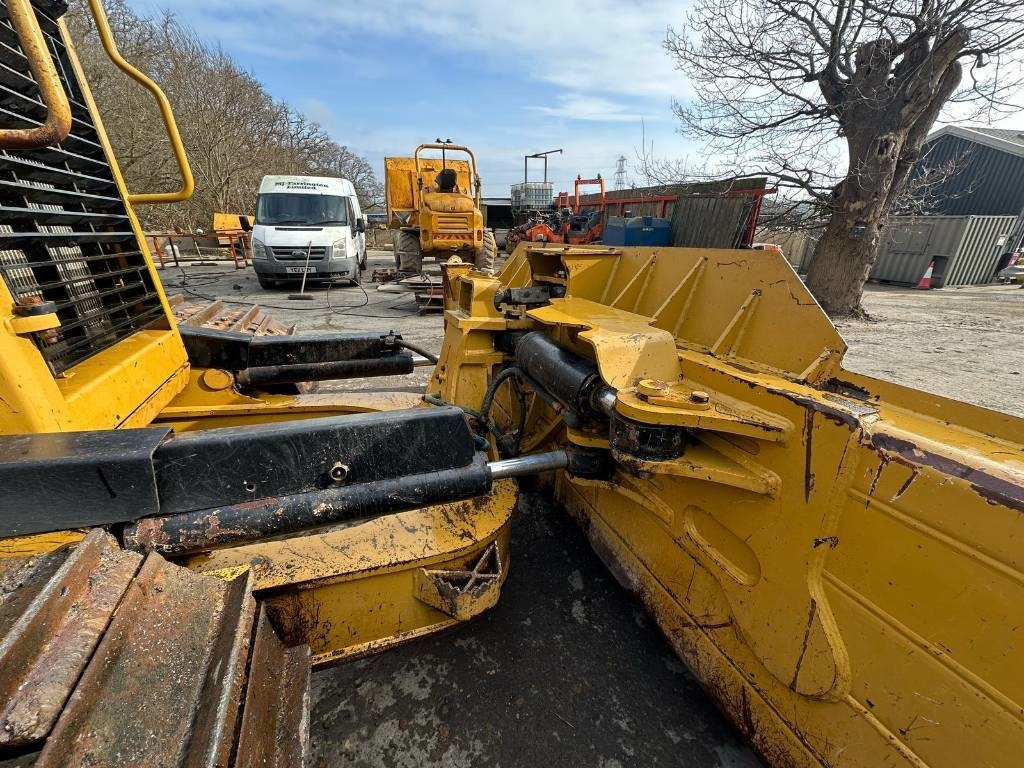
(188, 183)
(58, 110)
(33, 323)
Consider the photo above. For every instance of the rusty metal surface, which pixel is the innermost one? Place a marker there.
(462, 593)
(164, 686)
(22, 578)
(223, 317)
(45, 649)
(51, 92)
(275, 724)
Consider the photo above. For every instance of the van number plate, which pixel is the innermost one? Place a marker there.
(299, 270)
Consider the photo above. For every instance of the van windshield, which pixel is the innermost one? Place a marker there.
(281, 208)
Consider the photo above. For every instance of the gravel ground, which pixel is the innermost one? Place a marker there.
(967, 344)
(567, 670)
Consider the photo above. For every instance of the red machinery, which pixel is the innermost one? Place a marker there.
(575, 225)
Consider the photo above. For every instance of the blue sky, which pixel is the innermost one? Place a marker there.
(506, 79)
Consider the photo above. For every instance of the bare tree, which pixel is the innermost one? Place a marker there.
(781, 85)
(233, 130)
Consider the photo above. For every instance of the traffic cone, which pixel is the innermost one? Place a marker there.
(926, 281)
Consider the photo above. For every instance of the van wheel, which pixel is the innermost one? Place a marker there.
(486, 257)
(266, 282)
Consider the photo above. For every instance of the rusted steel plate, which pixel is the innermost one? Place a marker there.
(219, 316)
(163, 687)
(22, 578)
(45, 649)
(275, 724)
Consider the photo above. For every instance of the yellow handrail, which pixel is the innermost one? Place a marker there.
(40, 62)
(454, 148)
(188, 183)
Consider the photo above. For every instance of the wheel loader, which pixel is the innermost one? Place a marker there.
(433, 205)
(836, 558)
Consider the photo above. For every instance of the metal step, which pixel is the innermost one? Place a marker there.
(106, 659)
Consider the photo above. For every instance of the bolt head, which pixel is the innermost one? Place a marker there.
(697, 396)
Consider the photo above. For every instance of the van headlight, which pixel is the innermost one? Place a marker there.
(338, 249)
(259, 250)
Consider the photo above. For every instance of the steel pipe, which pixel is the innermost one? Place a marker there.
(51, 91)
(528, 465)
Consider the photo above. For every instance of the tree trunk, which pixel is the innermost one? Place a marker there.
(840, 265)
(860, 206)
(885, 123)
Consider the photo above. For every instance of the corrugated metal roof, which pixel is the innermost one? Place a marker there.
(1010, 134)
(1009, 140)
(988, 181)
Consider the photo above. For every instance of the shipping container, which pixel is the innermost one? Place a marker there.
(965, 249)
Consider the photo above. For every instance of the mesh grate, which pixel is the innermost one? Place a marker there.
(65, 234)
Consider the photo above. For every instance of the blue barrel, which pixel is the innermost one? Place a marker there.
(638, 230)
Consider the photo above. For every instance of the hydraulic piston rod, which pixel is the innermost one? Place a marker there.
(528, 465)
(233, 524)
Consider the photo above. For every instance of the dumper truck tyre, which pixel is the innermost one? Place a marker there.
(486, 257)
(408, 256)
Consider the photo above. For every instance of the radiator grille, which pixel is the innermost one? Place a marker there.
(65, 235)
(298, 253)
(454, 222)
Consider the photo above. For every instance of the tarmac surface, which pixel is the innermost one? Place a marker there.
(568, 670)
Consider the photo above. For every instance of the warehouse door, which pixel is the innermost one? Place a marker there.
(940, 270)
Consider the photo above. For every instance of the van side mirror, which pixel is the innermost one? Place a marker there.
(360, 225)
(243, 222)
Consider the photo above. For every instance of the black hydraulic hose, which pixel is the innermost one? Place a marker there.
(436, 400)
(514, 374)
(521, 395)
(417, 349)
(492, 390)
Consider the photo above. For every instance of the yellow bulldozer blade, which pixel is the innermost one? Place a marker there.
(836, 558)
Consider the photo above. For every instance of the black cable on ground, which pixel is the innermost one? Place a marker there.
(187, 281)
(349, 308)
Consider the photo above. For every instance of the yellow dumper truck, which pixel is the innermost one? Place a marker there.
(434, 207)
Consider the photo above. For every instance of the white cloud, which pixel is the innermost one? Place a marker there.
(598, 67)
(586, 46)
(579, 106)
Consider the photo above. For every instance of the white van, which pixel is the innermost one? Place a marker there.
(307, 224)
